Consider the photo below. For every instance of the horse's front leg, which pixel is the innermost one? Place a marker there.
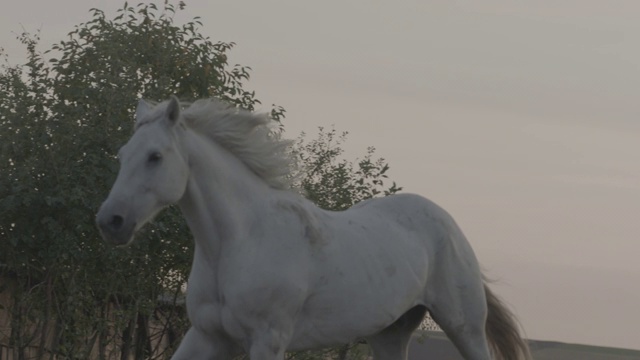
(197, 345)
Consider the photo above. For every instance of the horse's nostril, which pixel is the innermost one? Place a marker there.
(116, 222)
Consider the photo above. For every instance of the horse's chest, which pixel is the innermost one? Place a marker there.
(237, 299)
(208, 310)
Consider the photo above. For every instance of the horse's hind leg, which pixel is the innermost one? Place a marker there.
(392, 342)
(459, 307)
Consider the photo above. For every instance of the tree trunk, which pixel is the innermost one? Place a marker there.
(142, 343)
(127, 338)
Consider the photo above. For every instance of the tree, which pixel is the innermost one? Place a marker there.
(331, 181)
(63, 115)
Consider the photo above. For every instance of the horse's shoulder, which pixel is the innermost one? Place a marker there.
(298, 210)
(293, 205)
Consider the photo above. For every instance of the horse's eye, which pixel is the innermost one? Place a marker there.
(154, 157)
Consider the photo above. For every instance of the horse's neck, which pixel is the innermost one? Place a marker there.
(221, 198)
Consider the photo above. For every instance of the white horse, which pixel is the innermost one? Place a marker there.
(272, 272)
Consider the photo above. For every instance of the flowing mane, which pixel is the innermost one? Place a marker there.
(246, 135)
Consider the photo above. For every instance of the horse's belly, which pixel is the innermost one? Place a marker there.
(328, 321)
(314, 331)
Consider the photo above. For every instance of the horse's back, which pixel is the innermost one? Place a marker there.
(415, 215)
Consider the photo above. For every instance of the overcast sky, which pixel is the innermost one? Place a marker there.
(521, 118)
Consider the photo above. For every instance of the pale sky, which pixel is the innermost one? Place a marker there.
(520, 118)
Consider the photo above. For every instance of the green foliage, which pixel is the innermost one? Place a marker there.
(334, 183)
(63, 115)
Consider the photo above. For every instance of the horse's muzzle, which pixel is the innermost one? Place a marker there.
(114, 228)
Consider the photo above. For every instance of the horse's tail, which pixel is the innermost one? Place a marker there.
(503, 332)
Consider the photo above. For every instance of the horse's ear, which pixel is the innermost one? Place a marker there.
(142, 109)
(173, 110)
